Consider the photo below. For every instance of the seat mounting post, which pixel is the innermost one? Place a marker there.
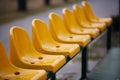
(108, 45)
(84, 63)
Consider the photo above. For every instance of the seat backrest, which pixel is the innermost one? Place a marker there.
(20, 43)
(79, 14)
(57, 26)
(4, 61)
(40, 33)
(88, 10)
(69, 19)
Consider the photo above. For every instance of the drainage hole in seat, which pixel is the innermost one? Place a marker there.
(57, 46)
(32, 63)
(6, 79)
(17, 73)
(71, 37)
(40, 58)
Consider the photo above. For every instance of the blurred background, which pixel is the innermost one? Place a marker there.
(15, 9)
(22, 12)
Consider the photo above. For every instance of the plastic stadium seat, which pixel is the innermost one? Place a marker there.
(43, 41)
(73, 27)
(10, 72)
(24, 55)
(60, 33)
(83, 21)
(88, 9)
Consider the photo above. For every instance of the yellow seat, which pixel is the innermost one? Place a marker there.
(88, 9)
(60, 33)
(10, 72)
(24, 55)
(43, 41)
(73, 27)
(83, 21)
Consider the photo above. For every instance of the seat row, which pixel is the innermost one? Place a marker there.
(50, 48)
